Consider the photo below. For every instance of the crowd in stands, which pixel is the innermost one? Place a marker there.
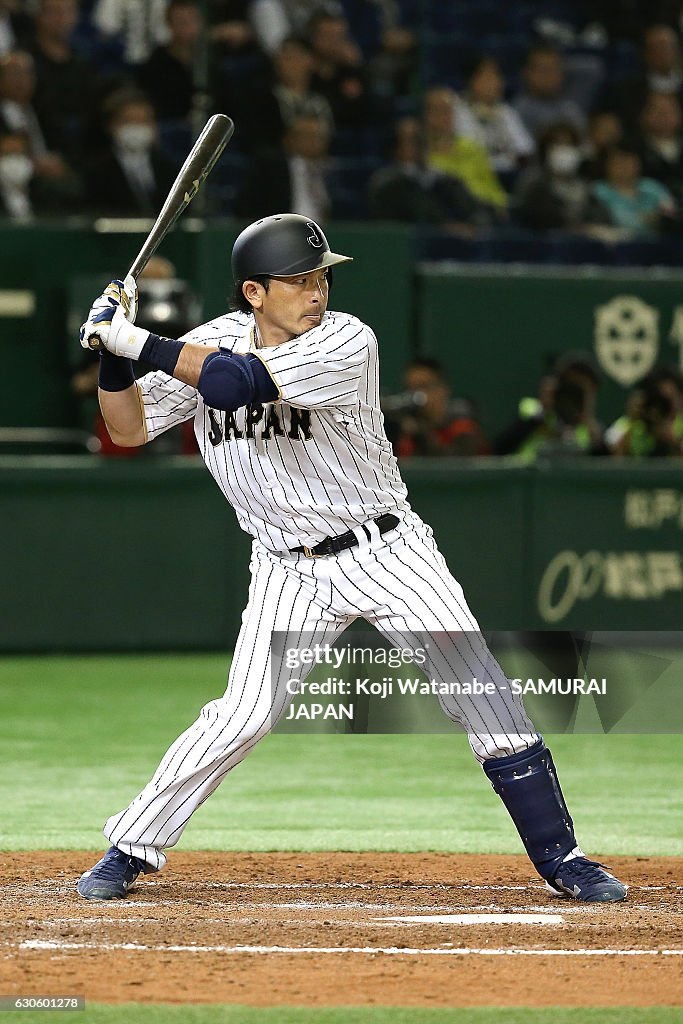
(537, 129)
(480, 121)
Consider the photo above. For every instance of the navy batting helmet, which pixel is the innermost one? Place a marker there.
(283, 245)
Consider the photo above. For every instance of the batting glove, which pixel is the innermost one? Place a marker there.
(123, 293)
(118, 335)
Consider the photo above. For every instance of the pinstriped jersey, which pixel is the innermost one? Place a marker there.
(312, 464)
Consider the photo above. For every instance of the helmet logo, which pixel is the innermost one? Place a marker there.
(314, 238)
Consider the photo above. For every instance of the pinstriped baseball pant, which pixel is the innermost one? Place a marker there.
(401, 584)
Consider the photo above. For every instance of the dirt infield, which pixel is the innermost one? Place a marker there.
(317, 929)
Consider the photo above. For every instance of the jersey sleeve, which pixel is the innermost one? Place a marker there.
(322, 367)
(165, 402)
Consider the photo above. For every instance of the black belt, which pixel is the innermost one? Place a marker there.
(331, 545)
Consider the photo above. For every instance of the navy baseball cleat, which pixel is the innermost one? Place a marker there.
(111, 877)
(586, 880)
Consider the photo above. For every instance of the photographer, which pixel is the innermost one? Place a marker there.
(425, 420)
(653, 426)
(562, 420)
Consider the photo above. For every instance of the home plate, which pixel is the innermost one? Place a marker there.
(478, 919)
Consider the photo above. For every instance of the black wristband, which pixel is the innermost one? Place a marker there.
(161, 353)
(116, 373)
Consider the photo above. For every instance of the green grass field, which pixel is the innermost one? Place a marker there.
(81, 735)
(133, 1013)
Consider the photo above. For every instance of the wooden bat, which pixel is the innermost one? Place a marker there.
(214, 137)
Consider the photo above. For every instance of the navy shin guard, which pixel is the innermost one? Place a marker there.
(528, 786)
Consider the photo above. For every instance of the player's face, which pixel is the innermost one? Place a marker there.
(291, 306)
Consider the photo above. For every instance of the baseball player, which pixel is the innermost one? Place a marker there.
(284, 394)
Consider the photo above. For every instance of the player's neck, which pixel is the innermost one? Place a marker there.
(267, 335)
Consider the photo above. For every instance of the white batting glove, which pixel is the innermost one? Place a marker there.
(115, 332)
(117, 293)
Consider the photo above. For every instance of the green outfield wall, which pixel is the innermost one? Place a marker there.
(147, 555)
(498, 328)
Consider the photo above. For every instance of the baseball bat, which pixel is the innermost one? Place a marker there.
(201, 159)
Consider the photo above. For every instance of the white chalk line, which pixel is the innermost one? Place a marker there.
(49, 885)
(381, 887)
(46, 944)
(470, 919)
(385, 922)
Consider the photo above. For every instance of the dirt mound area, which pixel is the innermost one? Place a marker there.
(331, 928)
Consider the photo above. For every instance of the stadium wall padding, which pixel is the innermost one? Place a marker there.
(147, 555)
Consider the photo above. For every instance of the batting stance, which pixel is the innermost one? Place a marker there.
(285, 399)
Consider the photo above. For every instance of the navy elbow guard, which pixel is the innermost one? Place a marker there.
(229, 381)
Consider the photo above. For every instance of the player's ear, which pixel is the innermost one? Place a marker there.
(253, 293)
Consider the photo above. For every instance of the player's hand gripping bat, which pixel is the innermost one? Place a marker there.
(215, 136)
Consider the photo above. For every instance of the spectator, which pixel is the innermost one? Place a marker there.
(455, 155)
(230, 29)
(409, 191)
(483, 116)
(661, 141)
(651, 431)
(24, 195)
(653, 423)
(15, 28)
(639, 207)
(393, 64)
(291, 97)
(140, 26)
(562, 420)
(132, 177)
(553, 196)
(662, 71)
(604, 130)
(16, 173)
(339, 74)
(292, 181)
(65, 83)
(17, 88)
(168, 76)
(542, 100)
(273, 21)
(426, 420)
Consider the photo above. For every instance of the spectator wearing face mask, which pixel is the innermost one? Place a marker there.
(17, 114)
(132, 177)
(553, 195)
(16, 172)
(23, 194)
